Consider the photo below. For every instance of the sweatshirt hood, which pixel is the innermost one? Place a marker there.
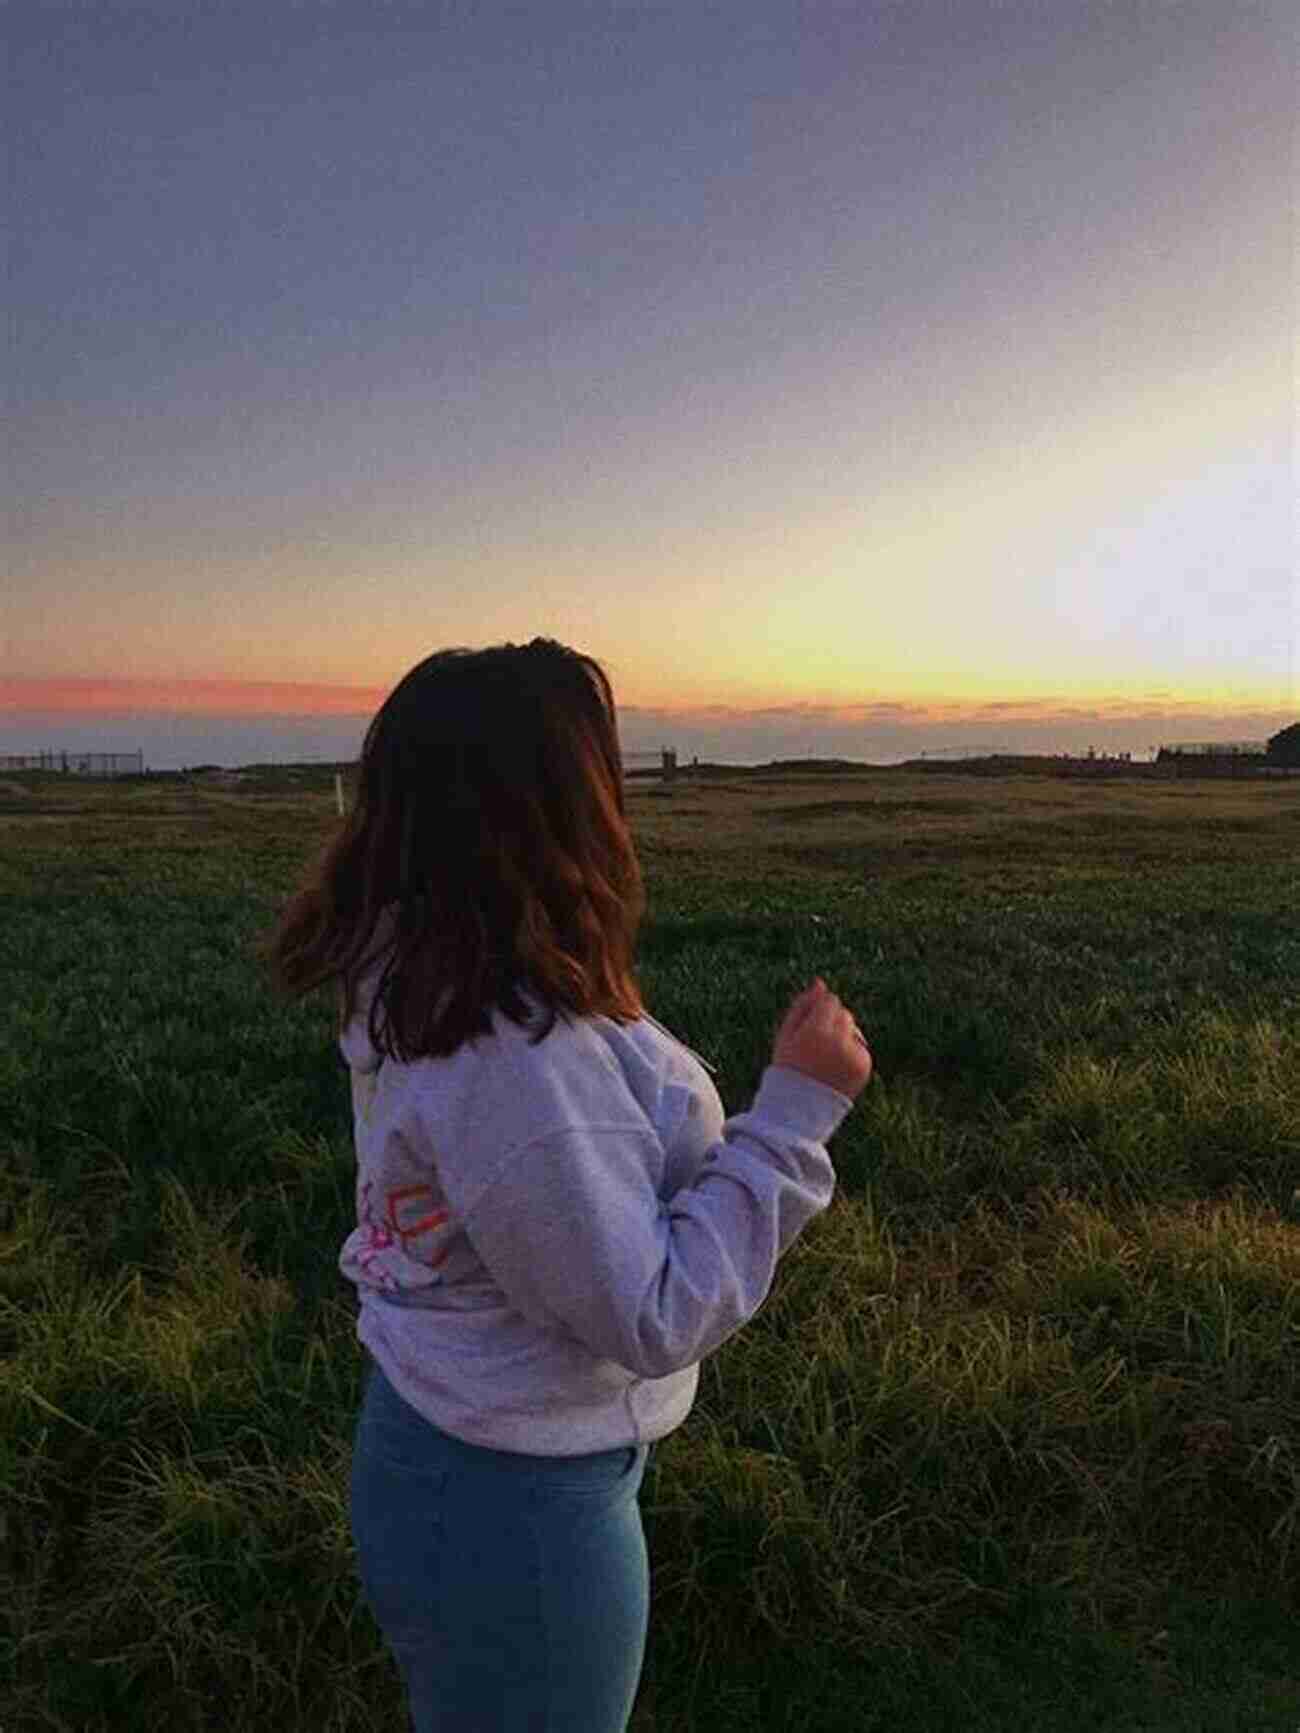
(354, 1038)
(357, 1047)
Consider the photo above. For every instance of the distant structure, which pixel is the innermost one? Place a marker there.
(77, 763)
(667, 756)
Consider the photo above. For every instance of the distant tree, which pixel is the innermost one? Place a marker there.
(1284, 746)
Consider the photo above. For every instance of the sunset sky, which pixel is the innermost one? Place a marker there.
(846, 377)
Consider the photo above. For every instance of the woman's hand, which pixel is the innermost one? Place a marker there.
(819, 1037)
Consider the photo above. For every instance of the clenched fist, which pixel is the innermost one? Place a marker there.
(818, 1036)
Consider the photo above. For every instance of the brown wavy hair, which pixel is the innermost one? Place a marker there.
(488, 854)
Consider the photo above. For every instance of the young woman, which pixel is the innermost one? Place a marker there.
(554, 1222)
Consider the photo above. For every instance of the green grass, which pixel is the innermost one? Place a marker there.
(1015, 1442)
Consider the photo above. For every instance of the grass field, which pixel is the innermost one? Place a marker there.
(1013, 1445)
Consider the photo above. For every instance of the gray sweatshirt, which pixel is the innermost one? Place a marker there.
(549, 1239)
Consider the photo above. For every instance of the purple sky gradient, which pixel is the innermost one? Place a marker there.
(772, 353)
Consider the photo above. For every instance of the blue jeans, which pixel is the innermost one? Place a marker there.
(514, 1591)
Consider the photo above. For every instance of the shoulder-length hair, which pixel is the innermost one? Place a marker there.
(487, 855)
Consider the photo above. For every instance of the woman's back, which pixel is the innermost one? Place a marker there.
(527, 1280)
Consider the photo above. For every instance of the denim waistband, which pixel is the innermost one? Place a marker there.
(386, 1407)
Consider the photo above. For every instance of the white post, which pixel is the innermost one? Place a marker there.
(338, 791)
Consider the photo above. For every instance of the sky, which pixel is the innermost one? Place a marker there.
(849, 379)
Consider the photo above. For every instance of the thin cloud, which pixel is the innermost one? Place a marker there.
(95, 697)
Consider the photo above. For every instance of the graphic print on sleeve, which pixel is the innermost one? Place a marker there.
(414, 1219)
(403, 1238)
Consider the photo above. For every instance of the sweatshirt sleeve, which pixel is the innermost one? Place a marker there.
(573, 1232)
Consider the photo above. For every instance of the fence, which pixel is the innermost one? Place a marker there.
(77, 763)
(1202, 758)
(1215, 749)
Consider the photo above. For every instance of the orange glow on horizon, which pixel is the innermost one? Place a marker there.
(899, 703)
